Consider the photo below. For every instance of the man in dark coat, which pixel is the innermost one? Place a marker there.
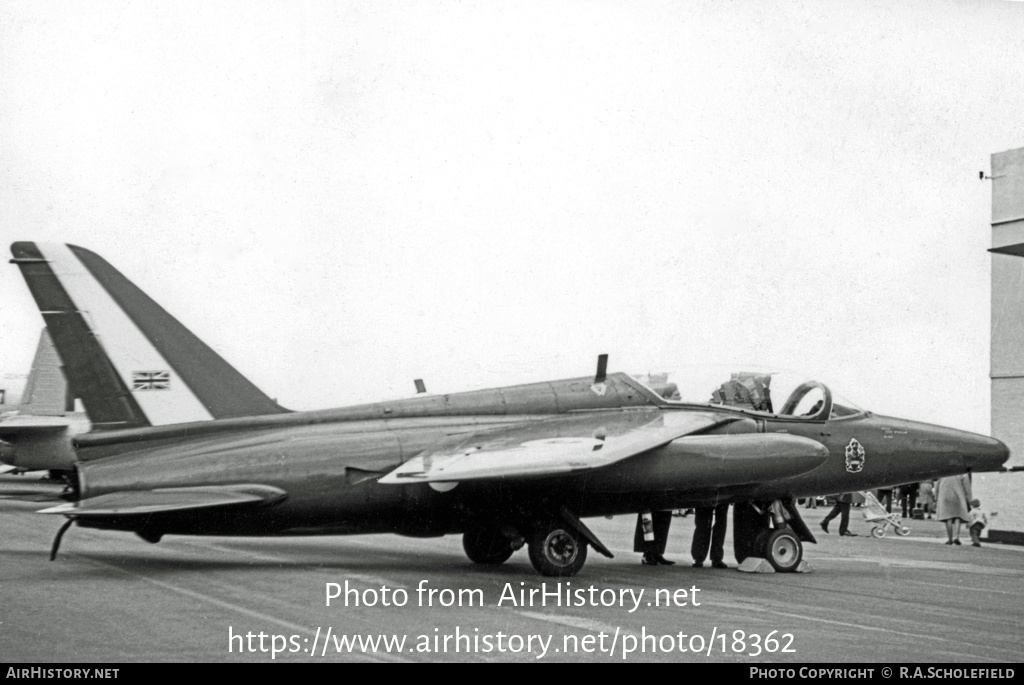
(653, 549)
(842, 510)
(710, 534)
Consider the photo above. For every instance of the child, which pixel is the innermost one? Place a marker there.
(976, 522)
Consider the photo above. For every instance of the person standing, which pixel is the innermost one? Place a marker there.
(651, 537)
(711, 524)
(842, 510)
(953, 497)
(977, 522)
(885, 497)
(908, 498)
(926, 497)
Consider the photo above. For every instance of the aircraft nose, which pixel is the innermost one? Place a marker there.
(986, 454)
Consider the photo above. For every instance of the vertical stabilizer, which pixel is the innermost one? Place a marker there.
(130, 362)
(46, 391)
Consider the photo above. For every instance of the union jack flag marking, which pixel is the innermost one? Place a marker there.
(151, 380)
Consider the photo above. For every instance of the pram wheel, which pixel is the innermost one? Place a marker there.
(879, 531)
(902, 530)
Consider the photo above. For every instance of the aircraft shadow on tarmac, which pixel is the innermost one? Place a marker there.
(355, 561)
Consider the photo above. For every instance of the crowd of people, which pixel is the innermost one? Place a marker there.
(947, 499)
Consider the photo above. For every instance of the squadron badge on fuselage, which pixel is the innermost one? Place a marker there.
(854, 456)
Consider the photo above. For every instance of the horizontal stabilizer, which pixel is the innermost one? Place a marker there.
(168, 500)
(552, 446)
(33, 425)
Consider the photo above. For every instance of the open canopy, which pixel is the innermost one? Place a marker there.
(774, 393)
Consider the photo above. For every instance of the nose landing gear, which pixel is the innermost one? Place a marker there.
(783, 550)
(771, 531)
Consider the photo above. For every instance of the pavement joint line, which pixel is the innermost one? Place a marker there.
(363, 578)
(228, 605)
(574, 622)
(925, 638)
(960, 588)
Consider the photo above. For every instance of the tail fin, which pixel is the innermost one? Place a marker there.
(130, 362)
(46, 391)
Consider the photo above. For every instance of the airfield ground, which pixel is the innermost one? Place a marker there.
(111, 597)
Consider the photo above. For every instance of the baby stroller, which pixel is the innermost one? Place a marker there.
(875, 513)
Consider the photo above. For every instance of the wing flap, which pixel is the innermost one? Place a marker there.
(553, 446)
(168, 500)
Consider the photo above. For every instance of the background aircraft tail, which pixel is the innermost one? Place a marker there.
(131, 363)
(46, 390)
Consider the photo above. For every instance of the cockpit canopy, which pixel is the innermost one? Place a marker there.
(773, 393)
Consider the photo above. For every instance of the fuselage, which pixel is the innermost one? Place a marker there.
(328, 462)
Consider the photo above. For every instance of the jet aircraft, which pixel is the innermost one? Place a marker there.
(183, 444)
(37, 434)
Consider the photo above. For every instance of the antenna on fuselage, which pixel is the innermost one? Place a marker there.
(602, 369)
(420, 386)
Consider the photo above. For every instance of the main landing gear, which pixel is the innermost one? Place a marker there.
(772, 531)
(556, 549)
(557, 544)
(490, 545)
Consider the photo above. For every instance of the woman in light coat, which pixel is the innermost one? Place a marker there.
(953, 497)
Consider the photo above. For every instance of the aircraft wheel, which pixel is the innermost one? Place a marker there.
(878, 531)
(486, 545)
(784, 550)
(902, 530)
(557, 550)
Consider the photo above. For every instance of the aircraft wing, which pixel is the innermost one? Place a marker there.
(553, 446)
(168, 500)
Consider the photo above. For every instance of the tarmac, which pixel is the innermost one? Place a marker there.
(111, 597)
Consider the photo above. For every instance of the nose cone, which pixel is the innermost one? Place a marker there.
(923, 450)
(976, 452)
(985, 454)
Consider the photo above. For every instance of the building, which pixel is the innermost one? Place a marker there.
(1007, 363)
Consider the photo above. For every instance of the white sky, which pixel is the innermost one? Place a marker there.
(341, 197)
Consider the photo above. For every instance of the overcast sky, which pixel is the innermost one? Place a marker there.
(340, 197)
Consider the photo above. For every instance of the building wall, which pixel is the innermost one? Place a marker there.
(1007, 369)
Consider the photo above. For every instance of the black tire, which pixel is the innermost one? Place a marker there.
(486, 545)
(783, 550)
(557, 550)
